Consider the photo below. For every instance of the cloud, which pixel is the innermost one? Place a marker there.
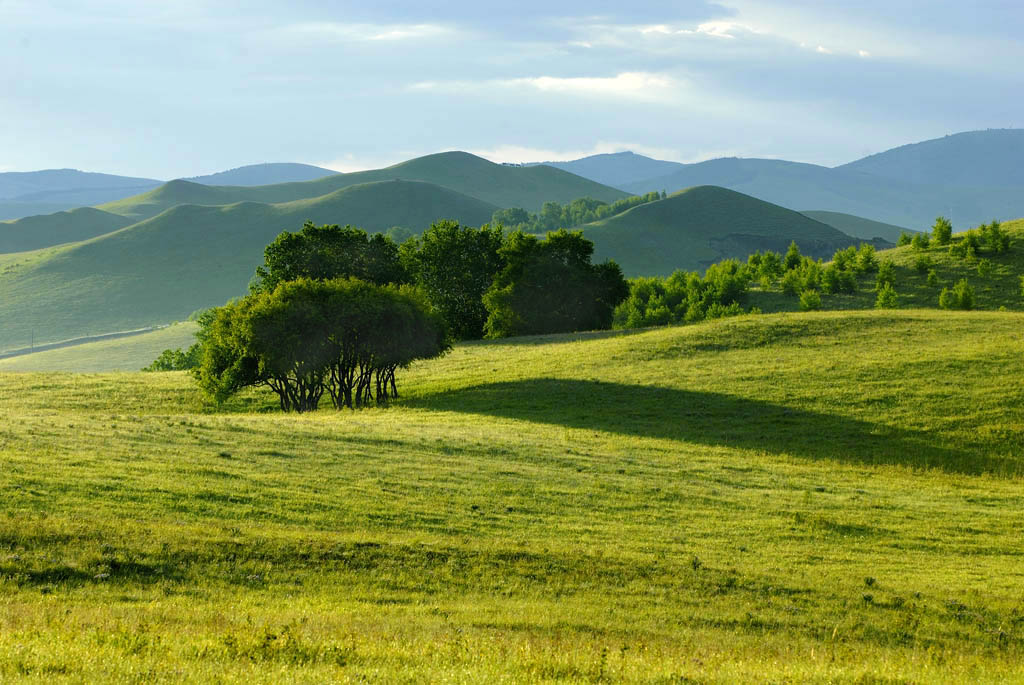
(642, 86)
(863, 53)
(822, 50)
(331, 31)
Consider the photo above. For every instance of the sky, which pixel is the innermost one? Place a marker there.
(182, 88)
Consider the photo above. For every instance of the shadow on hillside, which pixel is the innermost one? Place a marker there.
(706, 418)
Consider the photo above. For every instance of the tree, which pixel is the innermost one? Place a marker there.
(327, 252)
(454, 265)
(550, 286)
(886, 274)
(942, 230)
(309, 337)
(887, 298)
(810, 300)
(793, 258)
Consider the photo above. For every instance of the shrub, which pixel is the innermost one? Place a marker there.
(904, 239)
(933, 278)
(960, 297)
(793, 258)
(923, 263)
(791, 283)
(866, 259)
(845, 259)
(769, 269)
(1022, 286)
(810, 300)
(920, 241)
(985, 268)
(942, 231)
(887, 298)
(947, 300)
(835, 280)
(958, 250)
(886, 274)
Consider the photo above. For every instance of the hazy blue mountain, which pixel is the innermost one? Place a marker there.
(971, 177)
(971, 159)
(29, 185)
(618, 169)
(264, 174)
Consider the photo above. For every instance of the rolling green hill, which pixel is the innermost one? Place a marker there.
(36, 232)
(694, 228)
(858, 226)
(497, 184)
(190, 257)
(811, 498)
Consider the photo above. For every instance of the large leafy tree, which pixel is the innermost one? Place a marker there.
(454, 265)
(306, 337)
(329, 251)
(550, 286)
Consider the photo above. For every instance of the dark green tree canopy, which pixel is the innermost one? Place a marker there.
(550, 286)
(329, 251)
(454, 265)
(307, 337)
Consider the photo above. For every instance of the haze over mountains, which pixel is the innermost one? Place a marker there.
(974, 176)
(28, 193)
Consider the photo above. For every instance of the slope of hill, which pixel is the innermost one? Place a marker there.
(858, 226)
(994, 277)
(263, 174)
(190, 257)
(35, 232)
(784, 499)
(971, 159)
(499, 185)
(619, 169)
(128, 353)
(696, 227)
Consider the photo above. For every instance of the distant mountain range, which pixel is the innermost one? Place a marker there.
(31, 193)
(974, 177)
(159, 255)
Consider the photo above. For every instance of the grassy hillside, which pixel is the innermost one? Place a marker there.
(858, 226)
(696, 227)
(122, 354)
(190, 257)
(503, 186)
(1001, 288)
(36, 232)
(787, 498)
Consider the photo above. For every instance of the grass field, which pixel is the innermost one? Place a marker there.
(129, 353)
(829, 497)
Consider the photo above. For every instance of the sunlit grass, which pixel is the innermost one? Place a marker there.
(825, 497)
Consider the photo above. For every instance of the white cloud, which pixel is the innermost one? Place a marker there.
(325, 30)
(644, 86)
(863, 53)
(821, 49)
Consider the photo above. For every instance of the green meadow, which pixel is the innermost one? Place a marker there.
(831, 497)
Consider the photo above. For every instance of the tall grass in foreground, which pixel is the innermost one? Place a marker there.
(791, 498)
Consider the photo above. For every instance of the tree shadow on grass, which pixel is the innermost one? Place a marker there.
(711, 419)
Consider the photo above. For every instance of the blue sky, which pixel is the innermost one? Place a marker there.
(189, 87)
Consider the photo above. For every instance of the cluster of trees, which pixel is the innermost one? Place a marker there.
(307, 337)
(336, 312)
(685, 297)
(578, 212)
